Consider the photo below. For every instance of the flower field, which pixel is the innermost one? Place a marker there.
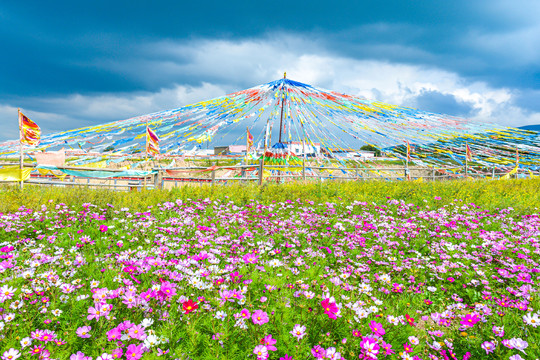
(293, 279)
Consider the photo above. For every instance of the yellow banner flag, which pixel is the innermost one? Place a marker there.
(13, 173)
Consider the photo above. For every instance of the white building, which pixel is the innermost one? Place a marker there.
(297, 148)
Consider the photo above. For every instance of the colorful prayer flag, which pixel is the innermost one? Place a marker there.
(29, 130)
(249, 140)
(152, 142)
(408, 151)
(469, 152)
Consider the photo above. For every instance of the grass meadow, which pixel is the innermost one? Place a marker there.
(353, 270)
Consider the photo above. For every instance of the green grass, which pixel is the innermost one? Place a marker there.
(522, 195)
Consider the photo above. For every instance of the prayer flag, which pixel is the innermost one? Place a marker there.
(469, 152)
(249, 140)
(152, 142)
(29, 130)
(408, 151)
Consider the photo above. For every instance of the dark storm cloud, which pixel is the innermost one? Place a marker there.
(58, 49)
(434, 101)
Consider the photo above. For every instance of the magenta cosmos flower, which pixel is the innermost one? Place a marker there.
(269, 343)
(245, 313)
(134, 352)
(330, 308)
(319, 352)
(469, 320)
(259, 317)
(377, 328)
(84, 331)
(370, 347)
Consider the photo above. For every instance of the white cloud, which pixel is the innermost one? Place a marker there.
(231, 64)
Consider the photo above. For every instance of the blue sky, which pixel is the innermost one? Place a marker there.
(70, 64)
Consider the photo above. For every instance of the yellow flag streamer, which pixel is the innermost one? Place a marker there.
(507, 176)
(13, 173)
(45, 172)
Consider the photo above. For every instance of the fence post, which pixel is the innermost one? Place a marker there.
(213, 174)
(304, 168)
(356, 171)
(433, 174)
(493, 173)
(158, 179)
(261, 171)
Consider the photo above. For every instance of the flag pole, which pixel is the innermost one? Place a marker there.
(407, 176)
(466, 160)
(146, 150)
(247, 144)
(21, 160)
(282, 106)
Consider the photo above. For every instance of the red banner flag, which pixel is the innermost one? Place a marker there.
(152, 142)
(468, 152)
(249, 140)
(29, 130)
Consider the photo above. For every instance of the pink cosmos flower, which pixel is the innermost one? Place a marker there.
(261, 352)
(114, 334)
(407, 347)
(245, 313)
(97, 312)
(498, 331)
(370, 347)
(134, 352)
(377, 328)
(489, 346)
(47, 336)
(269, 343)
(83, 331)
(117, 353)
(319, 352)
(250, 258)
(105, 356)
(286, 357)
(103, 228)
(469, 320)
(79, 356)
(330, 308)
(298, 331)
(387, 348)
(137, 332)
(11, 354)
(333, 354)
(259, 317)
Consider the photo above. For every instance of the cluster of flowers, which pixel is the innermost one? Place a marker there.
(291, 280)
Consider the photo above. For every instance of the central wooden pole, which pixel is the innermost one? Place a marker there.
(282, 106)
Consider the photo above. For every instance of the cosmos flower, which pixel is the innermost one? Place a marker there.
(376, 328)
(11, 354)
(330, 308)
(298, 331)
(134, 352)
(84, 331)
(469, 320)
(189, 306)
(261, 352)
(488, 346)
(260, 317)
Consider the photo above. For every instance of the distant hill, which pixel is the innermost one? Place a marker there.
(531, 127)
